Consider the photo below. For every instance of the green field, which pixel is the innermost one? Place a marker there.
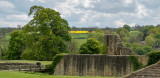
(80, 42)
(79, 36)
(7, 36)
(25, 61)
(16, 74)
(133, 33)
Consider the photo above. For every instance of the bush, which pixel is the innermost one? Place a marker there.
(147, 49)
(153, 57)
(143, 50)
(104, 49)
(56, 59)
(136, 64)
(139, 51)
(90, 47)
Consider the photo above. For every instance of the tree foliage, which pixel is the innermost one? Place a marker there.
(154, 57)
(122, 32)
(45, 34)
(97, 35)
(143, 50)
(90, 47)
(42, 38)
(146, 30)
(127, 27)
(104, 49)
(16, 45)
(135, 63)
(150, 41)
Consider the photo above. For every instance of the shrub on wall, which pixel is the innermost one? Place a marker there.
(153, 57)
(135, 63)
(56, 59)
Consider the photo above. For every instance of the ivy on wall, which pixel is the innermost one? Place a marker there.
(153, 57)
(135, 63)
(56, 59)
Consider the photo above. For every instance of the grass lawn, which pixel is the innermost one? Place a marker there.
(16, 74)
(133, 33)
(25, 61)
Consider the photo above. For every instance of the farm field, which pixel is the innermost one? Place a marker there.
(16, 74)
(25, 61)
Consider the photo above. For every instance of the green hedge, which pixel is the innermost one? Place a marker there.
(153, 57)
(135, 63)
(56, 59)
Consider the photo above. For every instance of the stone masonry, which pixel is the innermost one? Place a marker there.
(115, 47)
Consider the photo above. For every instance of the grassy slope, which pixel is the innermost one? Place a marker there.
(80, 38)
(133, 33)
(7, 36)
(15, 74)
(25, 61)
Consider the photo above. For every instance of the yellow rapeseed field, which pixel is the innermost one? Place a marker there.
(78, 32)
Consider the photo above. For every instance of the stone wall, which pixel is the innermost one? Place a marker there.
(95, 65)
(115, 47)
(19, 66)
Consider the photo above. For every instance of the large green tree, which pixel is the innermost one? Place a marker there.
(127, 27)
(45, 34)
(16, 45)
(122, 32)
(150, 41)
(146, 30)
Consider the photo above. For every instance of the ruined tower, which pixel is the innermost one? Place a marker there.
(115, 47)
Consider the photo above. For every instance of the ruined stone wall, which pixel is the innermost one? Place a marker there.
(19, 66)
(94, 65)
(115, 47)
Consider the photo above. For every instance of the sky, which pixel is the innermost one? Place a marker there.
(85, 13)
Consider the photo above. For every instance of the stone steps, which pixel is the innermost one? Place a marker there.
(152, 71)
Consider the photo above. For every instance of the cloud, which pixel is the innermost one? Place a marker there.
(88, 3)
(141, 11)
(119, 23)
(4, 23)
(42, 1)
(6, 5)
(19, 17)
(127, 2)
(111, 13)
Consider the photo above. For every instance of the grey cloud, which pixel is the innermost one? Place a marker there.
(104, 12)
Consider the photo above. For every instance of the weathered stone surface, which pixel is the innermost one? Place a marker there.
(20, 66)
(115, 47)
(147, 72)
(94, 65)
